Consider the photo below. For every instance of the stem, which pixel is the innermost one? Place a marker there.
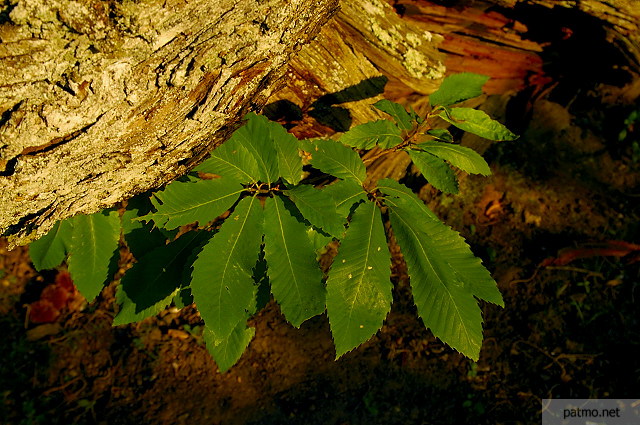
(379, 154)
(410, 139)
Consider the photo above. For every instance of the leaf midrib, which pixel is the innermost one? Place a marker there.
(339, 204)
(249, 177)
(185, 211)
(286, 248)
(490, 126)
(465, 153)
(260, 158)
(209, 201)
(94, 244)
(226, 264)
(344, 167)
(290, 161)
(442, 283)
(364, 267)
(405, 196)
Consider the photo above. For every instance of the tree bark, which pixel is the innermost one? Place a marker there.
(366, 42)
(101, 100)
(509, 40)
(335, 76)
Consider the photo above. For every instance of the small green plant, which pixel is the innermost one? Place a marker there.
(630, 133)
(261, 225)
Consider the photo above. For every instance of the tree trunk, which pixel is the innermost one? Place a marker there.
(101, 100)
(525, 43)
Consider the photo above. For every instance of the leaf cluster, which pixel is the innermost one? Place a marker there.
(248, 222)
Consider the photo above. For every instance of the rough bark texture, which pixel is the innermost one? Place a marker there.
(365, 50)
(480, 40)
(101, 100)
(509, 39)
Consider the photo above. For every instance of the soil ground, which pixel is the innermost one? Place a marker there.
(567, 331)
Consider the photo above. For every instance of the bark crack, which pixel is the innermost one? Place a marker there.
(58, 141)
(6, 115)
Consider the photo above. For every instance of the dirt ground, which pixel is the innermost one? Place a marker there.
(570, 329)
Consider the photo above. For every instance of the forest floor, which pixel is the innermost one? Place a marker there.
(569, 329)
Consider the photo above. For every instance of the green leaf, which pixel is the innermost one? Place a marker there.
(93, 243)
(409, 199)
(447, 309)
(136, 206)
(414, 115)
(435, 170)
(334, 158)
(222, 283)
(289, 159)
(183, 298)
(51, 249)
(185, 203)
(141, 237)
(318, 207)
(144, 239)
(475, 278)
(477, 122)
(296, 279)
(440, 134)
(256, 137)
(366, 136)
(458, 87)
(359, 287)
(263, 292)
(443, 296)
(228, 351)
(318, 240)
(397, 111)
(233, 161)
(464, 158)
(345, 193)
(151, 284)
